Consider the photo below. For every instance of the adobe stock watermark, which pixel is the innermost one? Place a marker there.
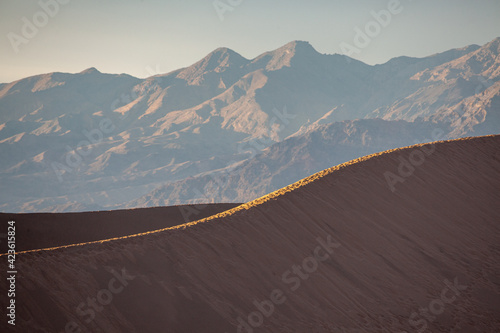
(458, 110)
(127, 98)
(278, 119)
(251, 147)
(484, 84)
(74, 157)
(30, 28)
(363, 37)
(292, 278)
(87, 310)
(416, 158)
(420, 321)
(418, 155)
(223, 6)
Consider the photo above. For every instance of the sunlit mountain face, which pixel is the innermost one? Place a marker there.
(228, 128)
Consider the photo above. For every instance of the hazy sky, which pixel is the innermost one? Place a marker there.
(133, 36)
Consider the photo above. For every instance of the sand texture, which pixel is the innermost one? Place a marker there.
(336, 252)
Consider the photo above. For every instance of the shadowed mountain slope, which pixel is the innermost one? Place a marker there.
(92, 141)
(317, 148)
(336, 252)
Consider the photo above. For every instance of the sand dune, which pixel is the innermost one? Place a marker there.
(42, 230)
(340, 251)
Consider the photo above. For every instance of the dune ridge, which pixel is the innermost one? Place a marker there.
(250, 204)
(49, 230)
(396, 254)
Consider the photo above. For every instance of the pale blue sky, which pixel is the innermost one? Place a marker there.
(130, 36)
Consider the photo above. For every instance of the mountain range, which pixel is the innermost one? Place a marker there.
(228, 128)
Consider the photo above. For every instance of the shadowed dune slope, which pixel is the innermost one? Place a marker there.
(42, 230)
(424, 255)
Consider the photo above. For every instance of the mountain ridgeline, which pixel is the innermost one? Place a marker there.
(228, 128)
